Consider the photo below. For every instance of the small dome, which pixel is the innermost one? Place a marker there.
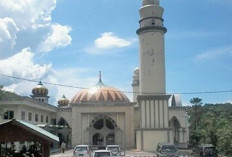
(100, 93)
(150, 2)
(136, 71)
(40, 90)
(63, 101)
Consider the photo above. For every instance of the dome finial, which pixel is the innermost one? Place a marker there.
(100, 80)
(100, 83)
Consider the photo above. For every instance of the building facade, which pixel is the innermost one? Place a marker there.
(103, 115)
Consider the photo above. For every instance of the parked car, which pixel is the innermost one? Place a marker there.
(115, 149)
(166, 150)
(101, 147)
(102, 153)
(82, 150)
(205, 151)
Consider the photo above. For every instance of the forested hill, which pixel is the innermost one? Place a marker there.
(6, 96)
(211, 124)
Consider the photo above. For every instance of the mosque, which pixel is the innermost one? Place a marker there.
(103, 115)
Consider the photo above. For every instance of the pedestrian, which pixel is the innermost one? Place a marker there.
(63, 146)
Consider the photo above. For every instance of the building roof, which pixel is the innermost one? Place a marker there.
(33, 128)
(11, 98)
(99, 93)
(5, 95)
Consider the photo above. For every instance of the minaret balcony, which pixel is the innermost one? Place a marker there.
(151, 29)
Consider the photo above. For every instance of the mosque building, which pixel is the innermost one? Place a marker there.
(103, 115)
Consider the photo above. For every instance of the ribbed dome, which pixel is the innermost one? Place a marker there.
(99, 92)
(136, 71)
(63, 101)
(40, 90)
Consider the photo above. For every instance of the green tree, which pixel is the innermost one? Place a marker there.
(213, 126)
(224, 135)
(1, 109)
(196, 111)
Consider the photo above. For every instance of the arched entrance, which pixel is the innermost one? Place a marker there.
(98, 139)
(103, 131)
(175, 125)
(64, 131)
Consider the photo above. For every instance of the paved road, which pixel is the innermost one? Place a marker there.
(131, 153)
(128, 154)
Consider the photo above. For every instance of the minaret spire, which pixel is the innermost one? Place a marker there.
(152, 53)
(152, 99)
(100, 80)
(100, 83)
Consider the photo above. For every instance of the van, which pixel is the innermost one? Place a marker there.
(82, 150)
(166, 150)
(205, 151)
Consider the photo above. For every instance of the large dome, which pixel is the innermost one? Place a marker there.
(101, 93)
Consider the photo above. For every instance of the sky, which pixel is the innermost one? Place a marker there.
(69, 41)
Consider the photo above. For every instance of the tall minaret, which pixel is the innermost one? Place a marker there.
(152, 98)
(152, 56)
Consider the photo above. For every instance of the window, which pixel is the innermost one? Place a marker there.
(46, 119)
(29, 116)
(9, 114)
(153, 22)
(36, 117)
(53, 121)
(41, 118)
(23, 115)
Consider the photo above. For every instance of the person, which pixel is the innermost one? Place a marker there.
(63, 146)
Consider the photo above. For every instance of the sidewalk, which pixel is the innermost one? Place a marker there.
(68, 153)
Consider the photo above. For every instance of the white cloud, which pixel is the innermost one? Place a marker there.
(186, 103)
(77, 77)
(214, 54)
(28, 23)
(108, 40)
(8, 30)
(22, 65)
(28, 13)
(57, 37)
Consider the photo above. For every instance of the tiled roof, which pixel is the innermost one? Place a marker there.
(100, 92)
(32, 127)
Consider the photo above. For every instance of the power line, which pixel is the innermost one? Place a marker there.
(48, 83)
(70, 86)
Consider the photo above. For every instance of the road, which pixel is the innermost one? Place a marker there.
(128, 154)
(131, 153)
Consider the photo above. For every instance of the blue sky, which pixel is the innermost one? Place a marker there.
(70, 41)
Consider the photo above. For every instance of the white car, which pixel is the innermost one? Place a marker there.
(82, 151)
(115, 149)
(102, 153)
